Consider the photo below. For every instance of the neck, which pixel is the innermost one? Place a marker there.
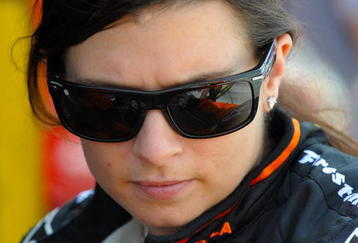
(161, 231)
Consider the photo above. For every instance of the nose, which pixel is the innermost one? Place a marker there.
(157, 142)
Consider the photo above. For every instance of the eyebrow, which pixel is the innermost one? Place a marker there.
(211, 76)
(192, 79)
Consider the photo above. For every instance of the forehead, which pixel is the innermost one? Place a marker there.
(160, 47)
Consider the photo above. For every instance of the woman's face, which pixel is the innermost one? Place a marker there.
(161, 178)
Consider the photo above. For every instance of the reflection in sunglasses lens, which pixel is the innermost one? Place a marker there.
(100, 115)
(212, 110)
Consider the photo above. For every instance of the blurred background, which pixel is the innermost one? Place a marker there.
(41, 169)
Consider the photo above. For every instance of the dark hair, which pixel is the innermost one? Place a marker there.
(65, 23)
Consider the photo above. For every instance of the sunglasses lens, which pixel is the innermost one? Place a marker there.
(102, 115)
(211, 111)
(97, 115)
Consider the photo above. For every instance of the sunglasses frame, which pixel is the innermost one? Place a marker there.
(159, 99)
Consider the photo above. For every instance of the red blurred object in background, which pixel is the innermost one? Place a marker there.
(65, 169)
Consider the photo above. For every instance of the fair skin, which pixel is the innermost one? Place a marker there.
(163, 179)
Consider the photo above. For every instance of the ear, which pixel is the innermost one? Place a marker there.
(272, 83)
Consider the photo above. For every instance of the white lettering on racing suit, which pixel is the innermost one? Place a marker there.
(346, 192)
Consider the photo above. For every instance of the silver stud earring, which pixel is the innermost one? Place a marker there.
(272, 101)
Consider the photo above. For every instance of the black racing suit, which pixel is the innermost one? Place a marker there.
(303, 191)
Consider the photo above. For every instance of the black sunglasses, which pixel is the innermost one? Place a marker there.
(198, 110)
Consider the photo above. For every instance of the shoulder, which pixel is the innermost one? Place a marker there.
(335, 173)
(91, 217)
(324, 185)
(58, 218)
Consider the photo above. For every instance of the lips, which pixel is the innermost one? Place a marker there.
(162, 190)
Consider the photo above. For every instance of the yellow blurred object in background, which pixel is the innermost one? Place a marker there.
(21, 189)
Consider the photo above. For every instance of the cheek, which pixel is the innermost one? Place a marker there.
(105, 161)
(224, 161)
